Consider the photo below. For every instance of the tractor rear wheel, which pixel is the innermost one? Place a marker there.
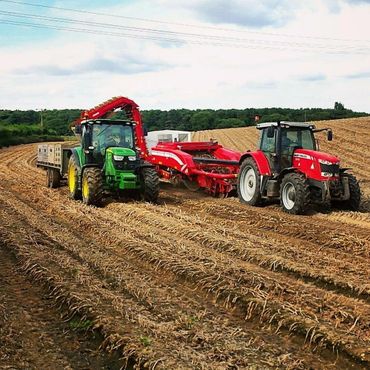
(92, 186)
(150, 184)
(353, 203)
(248, 185)
(294, 194)
(52, 178)
(74, 191)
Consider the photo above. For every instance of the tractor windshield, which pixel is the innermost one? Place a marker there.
(294, 138)
(112, 135)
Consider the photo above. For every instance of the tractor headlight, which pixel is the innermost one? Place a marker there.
(131, 158)
(118, 157)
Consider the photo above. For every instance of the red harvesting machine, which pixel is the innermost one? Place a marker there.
(205, 165)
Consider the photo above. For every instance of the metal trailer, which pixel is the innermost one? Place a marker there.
(53, 158)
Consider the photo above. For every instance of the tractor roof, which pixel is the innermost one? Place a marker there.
(101, 121)
(286, 124)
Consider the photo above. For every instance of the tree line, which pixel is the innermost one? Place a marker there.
(29, 126)
(17, 126)
(205, 119)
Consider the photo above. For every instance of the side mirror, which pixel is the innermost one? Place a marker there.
(271, 132)
(330, 135)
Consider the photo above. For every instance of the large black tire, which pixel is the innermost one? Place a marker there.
(52, 178)
(150, 184)
(295, 194)
(248, 184)
(92, 186)
(353, 203)
(73, 179)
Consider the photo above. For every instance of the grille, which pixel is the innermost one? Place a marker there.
(330, 168)
(125, 164)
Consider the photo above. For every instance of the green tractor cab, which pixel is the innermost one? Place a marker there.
(108, 162)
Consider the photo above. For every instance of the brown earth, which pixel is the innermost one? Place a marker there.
(33, 335)
(191, 283)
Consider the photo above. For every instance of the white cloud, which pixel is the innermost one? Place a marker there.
(241, 12)
(78, 70)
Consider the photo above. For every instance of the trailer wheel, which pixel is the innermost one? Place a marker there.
(248, 184)
(52, 178)
(92, 186)
(294, 194)
(74, 191)
(353, 203)
(150, 184)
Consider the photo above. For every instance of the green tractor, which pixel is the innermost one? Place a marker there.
(108, 161)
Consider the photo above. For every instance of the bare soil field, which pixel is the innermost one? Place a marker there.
(190, 283)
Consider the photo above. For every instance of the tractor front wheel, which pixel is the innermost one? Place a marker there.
(248, 185)
(74, 191)
(150, 184)
(92, 186)
(294, 194)
(353, 203)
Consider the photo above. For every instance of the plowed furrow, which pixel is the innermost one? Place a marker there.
(197, 282)
(155, 253)
(153, 250)
(330, 235)
(266, 251)
(176, 319)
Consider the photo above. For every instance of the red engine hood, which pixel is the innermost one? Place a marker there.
(316, 155)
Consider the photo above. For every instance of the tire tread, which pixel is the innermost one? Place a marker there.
(303, 194)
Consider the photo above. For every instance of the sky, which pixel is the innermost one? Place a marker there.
(167, 54)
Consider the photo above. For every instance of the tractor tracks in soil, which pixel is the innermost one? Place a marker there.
(195, 282)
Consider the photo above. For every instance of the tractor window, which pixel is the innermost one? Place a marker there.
(296, 138)
(267, 144)
(86, 136)
(307, 140)
(105, 135)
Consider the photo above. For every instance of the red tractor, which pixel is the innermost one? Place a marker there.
(289, 167)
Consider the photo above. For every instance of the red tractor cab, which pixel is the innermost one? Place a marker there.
(289, 167)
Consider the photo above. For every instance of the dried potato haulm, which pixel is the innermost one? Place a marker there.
(197, 282)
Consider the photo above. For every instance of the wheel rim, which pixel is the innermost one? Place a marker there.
(248, 182)
(71, 179)
(289, 195)
(85, 188)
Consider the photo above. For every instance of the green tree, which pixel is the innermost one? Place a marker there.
(202, 120)
(338, 106)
